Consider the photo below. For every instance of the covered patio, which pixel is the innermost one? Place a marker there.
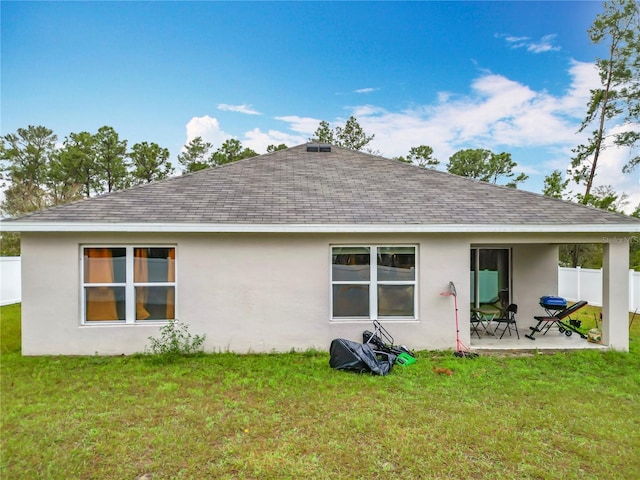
(521, 273)
(552, 341)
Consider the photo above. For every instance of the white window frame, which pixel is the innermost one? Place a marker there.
(129, 286)
(373, 283)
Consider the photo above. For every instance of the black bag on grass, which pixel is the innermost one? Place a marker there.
(356, 357)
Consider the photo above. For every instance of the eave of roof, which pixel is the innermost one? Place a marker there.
(18, 226)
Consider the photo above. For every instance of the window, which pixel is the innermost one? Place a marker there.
(128, 284)
(373, 282)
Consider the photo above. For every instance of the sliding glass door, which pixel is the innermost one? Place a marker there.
(490, 277)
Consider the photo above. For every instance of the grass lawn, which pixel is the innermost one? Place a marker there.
(225, 416)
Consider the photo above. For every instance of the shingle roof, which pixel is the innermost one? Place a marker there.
(341, 187)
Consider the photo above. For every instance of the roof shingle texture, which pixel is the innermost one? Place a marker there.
(294, 186)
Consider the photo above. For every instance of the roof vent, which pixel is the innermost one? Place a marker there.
(318, 147)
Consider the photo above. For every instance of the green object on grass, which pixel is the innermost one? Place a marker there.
(405, 359)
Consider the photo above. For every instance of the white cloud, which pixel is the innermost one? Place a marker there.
(208, 128)
(545, 44)
(584, 78)
(443, 97)
(246, 109)
(365, 90)
(498, 113)
(305, 125)
(396, 132)
(258, 140)
(501, 114)
(364, 110)
(512, 39)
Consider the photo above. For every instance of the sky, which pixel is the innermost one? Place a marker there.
(506, 76)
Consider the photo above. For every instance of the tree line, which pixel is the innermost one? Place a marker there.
(41, 173)
(479, 164)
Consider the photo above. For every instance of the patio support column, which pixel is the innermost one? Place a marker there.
(615, 294)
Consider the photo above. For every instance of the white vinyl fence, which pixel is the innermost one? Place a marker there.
(573, 284)
(586, 284)
(10, 280)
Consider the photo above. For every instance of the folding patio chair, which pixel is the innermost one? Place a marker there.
(508, 320)
(476, 323)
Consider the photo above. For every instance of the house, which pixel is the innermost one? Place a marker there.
(292, 249)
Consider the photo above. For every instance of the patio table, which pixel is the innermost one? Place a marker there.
(485, 316)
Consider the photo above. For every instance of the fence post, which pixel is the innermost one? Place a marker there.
(578, 282)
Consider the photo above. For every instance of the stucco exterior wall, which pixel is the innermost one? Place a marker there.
(248, 293)
(264, 292)
(534, 274)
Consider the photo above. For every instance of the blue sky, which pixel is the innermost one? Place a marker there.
(507, 76)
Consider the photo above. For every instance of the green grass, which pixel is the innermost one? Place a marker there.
(10, 329)
(225, 416)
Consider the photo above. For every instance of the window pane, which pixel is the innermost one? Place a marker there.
(155, 303)
(154, 265)
(493, 276)
(351, 301)
(351, 264)
(396, 263)
(104, 303)
(395, 300)
(105, 265)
